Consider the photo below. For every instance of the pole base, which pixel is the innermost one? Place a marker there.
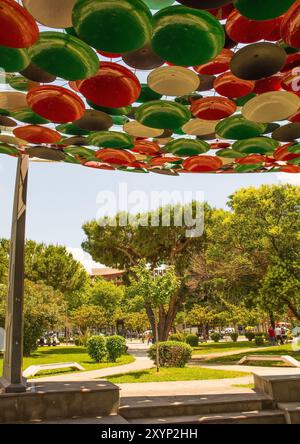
(7, 387)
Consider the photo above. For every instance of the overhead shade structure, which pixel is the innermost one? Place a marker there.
(149, 86)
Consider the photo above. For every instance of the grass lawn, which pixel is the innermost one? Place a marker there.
(219, 347)
(174, 374)
(278, 350)
(47, 355)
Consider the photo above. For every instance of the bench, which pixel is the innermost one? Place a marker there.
(284, 358)
(34, 369)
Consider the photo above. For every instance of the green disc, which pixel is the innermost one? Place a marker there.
(13, 59)
(4, 112)
(238, 128)
(111, 111)
(111, 139)
(120, 120)
(81, 151)
(187, 147)
(72, 130)
(256, 145)
(262, 9)
(294, 148)
(19, 83)
(147, 94)
(162, 114)
(188, 99)
(242, 100)
(230, 154)
(187, 37)
(64, 55)
(8, 149)
(26, 115)
(114, 26)
(158, 4)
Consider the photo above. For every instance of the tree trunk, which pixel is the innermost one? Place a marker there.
(294, 310)
(272, 320)
(156, 344)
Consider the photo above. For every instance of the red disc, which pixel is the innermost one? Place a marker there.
(161, 160)
(146, 147)
(220, 145)
(231, 86)
(275, 34)
(290, 26)
(292, 61)
(115, 157)
(244, 30)
(268, 84)
(295, 118)
(198, 164)
(223, 12)
(252, 159)
(109, 55)
(213, 108)
(282, 153)
(113, 86)
(218, 65)
(98, 165)
(57, 104)
(37, 134)
(290, 169)
(291, 81)
(18, 28)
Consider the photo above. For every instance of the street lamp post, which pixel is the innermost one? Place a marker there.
(12, 380)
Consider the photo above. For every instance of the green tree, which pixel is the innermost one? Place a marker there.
(157, 291)
(106, 295)
(53, 265)
(3, 263)
(119, 246)
(136, 321)
(87, 317)
(44, 309)
(261, 248)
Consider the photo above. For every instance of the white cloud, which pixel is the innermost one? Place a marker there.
(292, 178)
(85, 258)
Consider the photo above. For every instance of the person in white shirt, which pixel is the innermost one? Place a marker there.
(278, 334)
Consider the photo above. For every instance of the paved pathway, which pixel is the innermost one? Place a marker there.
(207, 356)
(142, 362)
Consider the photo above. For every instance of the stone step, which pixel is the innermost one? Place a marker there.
(253, 417)
(60, 400)
(291, 411)
(104, 420)
(151, 407)
(281, 388)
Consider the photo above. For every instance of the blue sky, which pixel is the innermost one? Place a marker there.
(62, 197)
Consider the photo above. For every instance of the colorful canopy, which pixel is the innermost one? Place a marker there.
(206, 86)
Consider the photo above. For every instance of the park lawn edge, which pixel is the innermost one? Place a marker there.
(174, 374)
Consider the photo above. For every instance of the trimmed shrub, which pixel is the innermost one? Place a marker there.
(179, 337)
(215, 336)
(116, 347)
(259, 339)
(171, 353)
(250, 335)
(192, 340)
(96, 348)
(234, 336)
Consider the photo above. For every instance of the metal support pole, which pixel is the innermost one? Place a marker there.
(12, 380)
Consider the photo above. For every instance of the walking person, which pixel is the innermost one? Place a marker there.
(278, 334)
(284, 334)
(271, 333)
